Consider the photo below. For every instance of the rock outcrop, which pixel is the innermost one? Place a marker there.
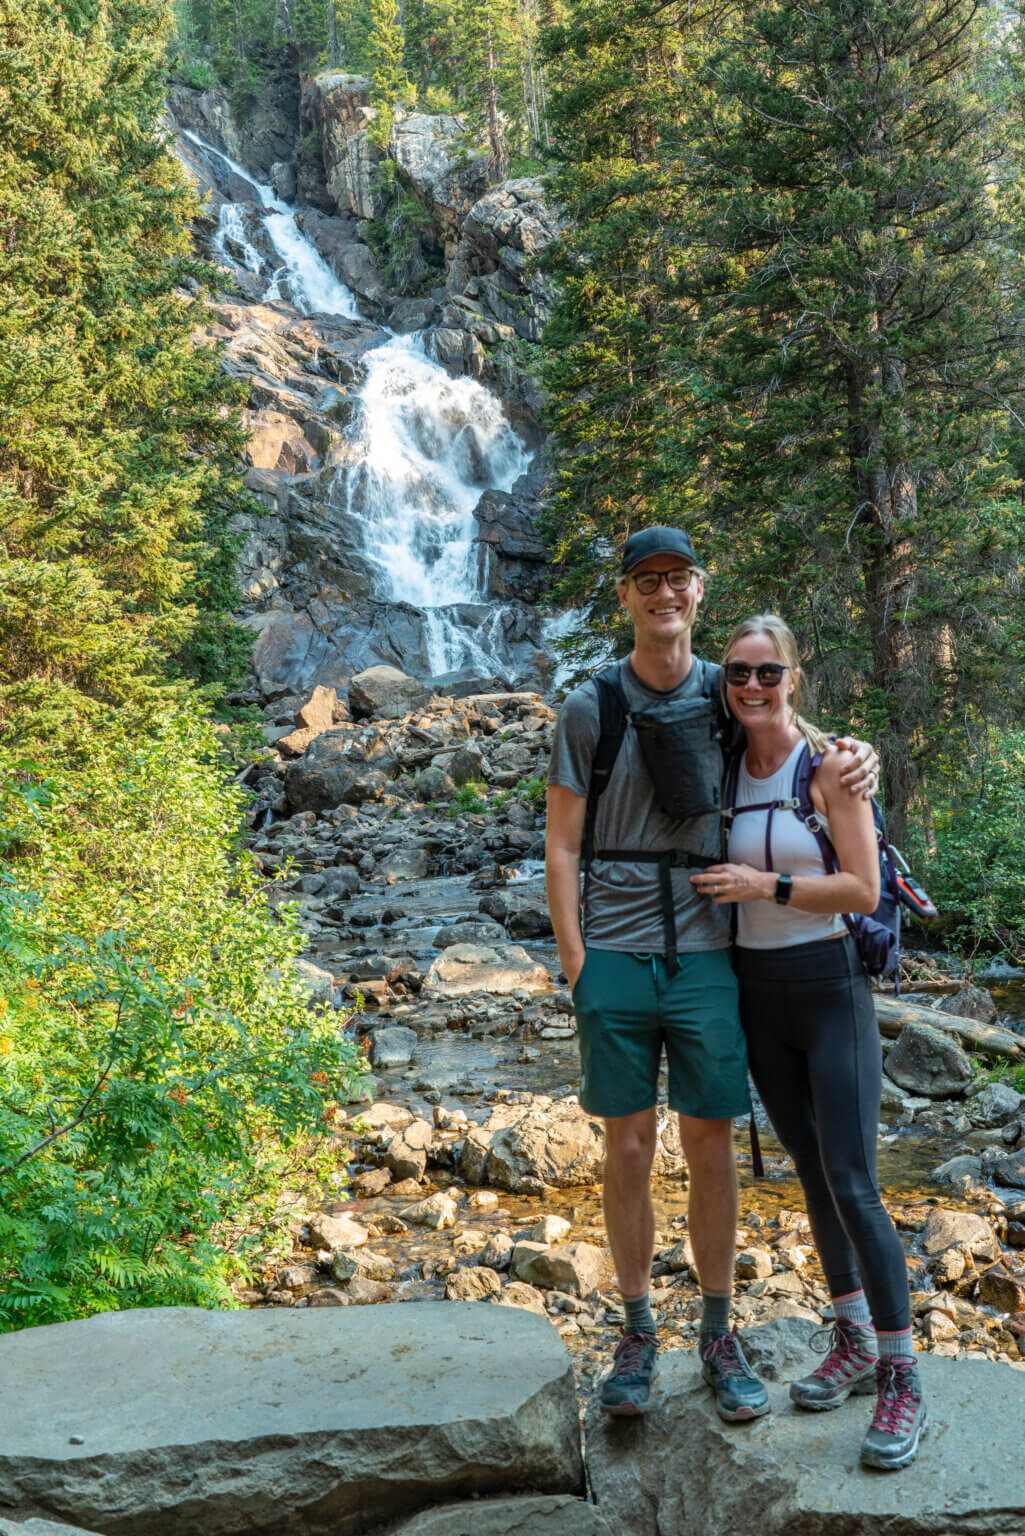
(792, 1474)
(325, 1423)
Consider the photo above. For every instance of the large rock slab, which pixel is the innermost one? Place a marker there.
(556, 1514)
(324, 1422)
(41, 1528)
(501, 968)
(791, 1474)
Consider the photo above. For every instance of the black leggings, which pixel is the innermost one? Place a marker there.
(813, 1045)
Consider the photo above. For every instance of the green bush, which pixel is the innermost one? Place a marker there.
(970, 849)
(155, 1045)
(470, 797)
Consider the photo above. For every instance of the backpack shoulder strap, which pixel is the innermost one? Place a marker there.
(805, 809)
(613, 711)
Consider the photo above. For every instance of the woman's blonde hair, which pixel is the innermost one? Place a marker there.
(783, 638)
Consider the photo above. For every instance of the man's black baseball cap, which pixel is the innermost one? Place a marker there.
(655, 541)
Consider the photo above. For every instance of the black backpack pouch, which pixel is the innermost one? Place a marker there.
(681, 749)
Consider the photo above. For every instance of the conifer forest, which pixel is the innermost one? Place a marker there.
(785, 311)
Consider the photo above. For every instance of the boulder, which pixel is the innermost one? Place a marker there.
(317, 983)
(473, 1283)
(470, 931)
(329, 774)
(526, 1298)
(392, 1047)
(551, 1515)
(385, 693)
(192, 1420)
(1010, 1170)
(503, 968)
(927, 1061)
(328, 1231)
(995, 1105)
(407, 1152)
(970, 1003)
(437, 1211)
(961, 1172)
(792, 1474)
(347, 1263)
(955, 1229)
(525, 1147)
(576, 1268)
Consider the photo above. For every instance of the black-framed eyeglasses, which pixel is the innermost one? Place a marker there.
(677, 580)
(769, 674)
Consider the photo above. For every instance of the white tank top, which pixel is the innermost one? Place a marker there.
(765, 924)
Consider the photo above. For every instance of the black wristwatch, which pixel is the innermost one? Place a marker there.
(784, 886)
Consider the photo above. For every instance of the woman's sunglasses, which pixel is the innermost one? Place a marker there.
(768, 674)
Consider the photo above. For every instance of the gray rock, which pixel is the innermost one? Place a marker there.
(995, 1105)
(790, 1474)
(470, 931)
(328, 1231)
(392, 1047)
(475, 1282)
(959, 1172)
(927, 1061)
(283, 180)
(317, 983)
(781, 1350)
(528, 1146)
(503, 968)
(219, 1431)
(970, 1003)
(437, 1211)
(1010, 1170)
(40, 1528)
(576, 1268)
(324, 776)
(951, 1229)
(385, 693)
(466, 764)
(554, 1515)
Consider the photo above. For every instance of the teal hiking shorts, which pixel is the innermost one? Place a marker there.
(628, 1008)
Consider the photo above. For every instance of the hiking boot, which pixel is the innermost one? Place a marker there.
(627, 1388)
(738, 1392)
(900, 1417)
(848, 1369)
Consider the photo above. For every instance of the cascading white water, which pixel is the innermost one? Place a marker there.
(425, 448)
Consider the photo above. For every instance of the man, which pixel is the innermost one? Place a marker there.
(641, 983)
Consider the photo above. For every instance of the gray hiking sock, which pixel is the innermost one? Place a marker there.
(638, 1315)
(715, 1315)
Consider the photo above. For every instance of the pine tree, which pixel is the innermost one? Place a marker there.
(387, 50)
(115, 445)
(811, 284)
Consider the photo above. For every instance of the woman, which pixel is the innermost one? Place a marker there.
(811, 1030)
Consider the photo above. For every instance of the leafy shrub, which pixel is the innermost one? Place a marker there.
(155, 1044)
(470, 797)
(971, 850)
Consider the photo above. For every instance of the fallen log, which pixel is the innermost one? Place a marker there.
(893, 1013)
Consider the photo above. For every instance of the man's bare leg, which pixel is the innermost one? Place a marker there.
(626, 1198)
(630, 1225)
(712, 1208)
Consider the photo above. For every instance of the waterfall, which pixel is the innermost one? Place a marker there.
(424, 447)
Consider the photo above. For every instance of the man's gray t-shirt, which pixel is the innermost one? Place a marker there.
(623, 910)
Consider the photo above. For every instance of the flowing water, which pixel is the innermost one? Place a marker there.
(425, 446)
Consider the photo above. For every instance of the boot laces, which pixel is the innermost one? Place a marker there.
(843, 1357)
(898, 1399)
(724, 1351)
(629, 1353)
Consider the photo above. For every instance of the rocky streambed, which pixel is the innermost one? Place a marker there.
(408, 828)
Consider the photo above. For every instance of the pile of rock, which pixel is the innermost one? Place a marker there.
(367, 799)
